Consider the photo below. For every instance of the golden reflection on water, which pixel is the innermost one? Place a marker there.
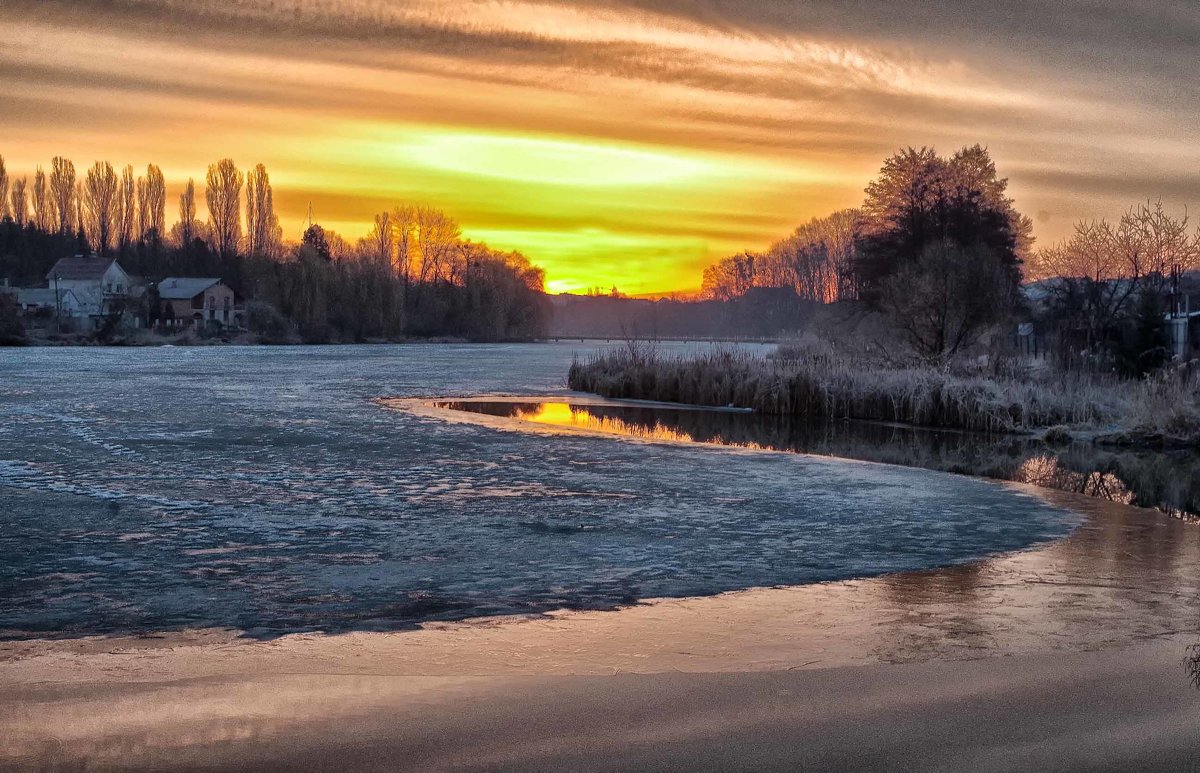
(567, 415)
(1047, 472)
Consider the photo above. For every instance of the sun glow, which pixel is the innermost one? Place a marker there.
(612, 145)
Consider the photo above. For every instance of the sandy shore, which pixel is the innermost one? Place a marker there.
(1068, 656)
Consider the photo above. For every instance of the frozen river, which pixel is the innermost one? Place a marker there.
(263, 489)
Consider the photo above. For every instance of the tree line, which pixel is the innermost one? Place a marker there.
(413, 274)
(939, 248)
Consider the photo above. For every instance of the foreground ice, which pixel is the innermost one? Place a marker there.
(262, 489)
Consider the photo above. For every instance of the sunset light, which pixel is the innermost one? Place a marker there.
(619, 147)
(594, 385)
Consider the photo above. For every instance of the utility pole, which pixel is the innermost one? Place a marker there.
(57, 302)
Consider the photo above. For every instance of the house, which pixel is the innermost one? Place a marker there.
(202, 302)
(99, 284)
(45, 302)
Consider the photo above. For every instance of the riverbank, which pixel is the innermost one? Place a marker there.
(1158, 412)
(1067, 656)
(1166, 479)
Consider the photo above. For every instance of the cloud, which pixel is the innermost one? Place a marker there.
(1080, 103)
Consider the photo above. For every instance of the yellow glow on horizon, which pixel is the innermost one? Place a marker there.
(611, 145)
(551, 161)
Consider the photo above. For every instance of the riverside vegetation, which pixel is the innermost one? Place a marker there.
(817, 380)
(934, 261)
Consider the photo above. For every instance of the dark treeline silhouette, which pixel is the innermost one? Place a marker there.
(412, 275)
(936, 246)
(938, 250)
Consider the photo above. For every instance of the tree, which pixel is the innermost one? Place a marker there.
(381, 241)
(152, 204)
(1107, 274)
(81, 236)
(223, 194)
(43, 216)
(126, 209)
(921, 199)
(730, 278)
(316, 242)
(63, 201)
(19, 208)
(4, 213)
(946, 299)
(101, 201)
(437, 233)
(263, 234)
(187, 214)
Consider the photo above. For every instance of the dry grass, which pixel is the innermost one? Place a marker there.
(814, 380)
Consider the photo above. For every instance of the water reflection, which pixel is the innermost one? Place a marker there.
(1169, 481)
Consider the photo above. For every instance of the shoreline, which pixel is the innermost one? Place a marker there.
(1100, 442)
(1122, 563)
(1113, 602)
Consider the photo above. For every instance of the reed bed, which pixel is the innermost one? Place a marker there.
(819, 382)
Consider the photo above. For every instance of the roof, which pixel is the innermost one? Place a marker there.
(81, 267)
(41, 296)
(181, 288)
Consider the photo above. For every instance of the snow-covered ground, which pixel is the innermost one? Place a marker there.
(263, 489)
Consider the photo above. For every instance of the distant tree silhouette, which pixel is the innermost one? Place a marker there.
(101, 202)
(223, 194)
(317, 242)
(187, 214)
(63, 201)
(4, 209)
(816, 261)
(43, 217)
(126, 209)
(19, 202)
(152, 204)
(263, 235)
(412, 274)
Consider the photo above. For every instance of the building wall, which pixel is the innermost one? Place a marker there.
(91, 292)
(216, 303)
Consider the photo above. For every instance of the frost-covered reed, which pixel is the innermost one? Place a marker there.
(819, 382)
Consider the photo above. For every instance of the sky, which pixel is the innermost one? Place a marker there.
(614, 143)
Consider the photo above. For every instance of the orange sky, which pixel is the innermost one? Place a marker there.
(613, 143)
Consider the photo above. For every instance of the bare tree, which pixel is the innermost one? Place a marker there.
(187, 214)
(4, 213)
(78, 218)
(43, 218)
(263, 234)
(126, 209)
(20, 202)
(1095, 277)
(63, 202)
(101, 201)
(437, 233)
(152, 204)
(223, 194)
(381, 241)
(404, 225)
